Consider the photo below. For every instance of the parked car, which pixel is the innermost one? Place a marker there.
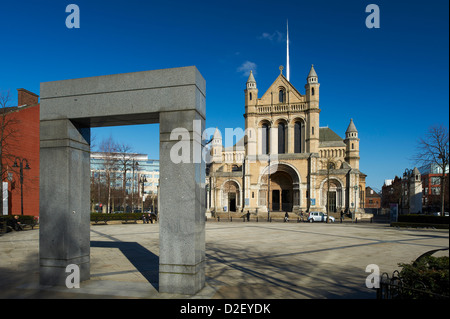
(319, 217)
(439, 214)
(436, 214)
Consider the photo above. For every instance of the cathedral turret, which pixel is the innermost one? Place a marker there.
(312, 87)
(251, 92)
(216, 149)
(352, 145)
(312, 99)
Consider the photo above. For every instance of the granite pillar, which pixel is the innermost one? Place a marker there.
(64, 201)
(182, 208)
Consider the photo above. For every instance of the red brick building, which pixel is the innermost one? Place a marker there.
(431, 185)
(373, 199)
(21, 148)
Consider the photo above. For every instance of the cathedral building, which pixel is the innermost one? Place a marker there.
(286, 162)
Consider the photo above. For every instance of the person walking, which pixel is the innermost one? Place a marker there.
(286, 217)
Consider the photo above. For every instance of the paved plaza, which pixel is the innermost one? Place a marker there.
(243, 260)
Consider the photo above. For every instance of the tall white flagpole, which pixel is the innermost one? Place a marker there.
(288, 69)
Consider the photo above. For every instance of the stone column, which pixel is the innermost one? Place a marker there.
(290, 136)
(64, 234)
(182, 214)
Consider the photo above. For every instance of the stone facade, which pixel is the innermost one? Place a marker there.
(285, 161)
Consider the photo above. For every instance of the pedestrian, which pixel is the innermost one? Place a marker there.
(144, 219)
(342, 215)
(301, 215)
(286, 217)
(248, 215)
(15, 224)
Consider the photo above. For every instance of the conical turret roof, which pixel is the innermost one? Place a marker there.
(351, 127)
(312, 72)
(251, 78)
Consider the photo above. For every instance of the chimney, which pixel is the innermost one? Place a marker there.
(25, 97)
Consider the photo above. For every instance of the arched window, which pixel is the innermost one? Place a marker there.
(298, 137)
(281, 138)
(281, 96)
(265, 138)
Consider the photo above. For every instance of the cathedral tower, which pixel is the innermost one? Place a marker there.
(251, 94)
(312, 99)
(352, 145)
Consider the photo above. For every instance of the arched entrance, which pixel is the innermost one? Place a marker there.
(332, 195)
(231, 195)
(281, 190)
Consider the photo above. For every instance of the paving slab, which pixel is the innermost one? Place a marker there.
(243, 260)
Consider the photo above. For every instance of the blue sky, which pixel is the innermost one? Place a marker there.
(393, 81)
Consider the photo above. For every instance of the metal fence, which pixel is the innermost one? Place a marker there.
(395, 287)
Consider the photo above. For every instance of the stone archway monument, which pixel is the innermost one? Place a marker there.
(174, 98)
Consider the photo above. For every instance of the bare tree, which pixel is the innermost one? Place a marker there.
(125, 162)
(434, 149)
(8, 133)
(109, 149)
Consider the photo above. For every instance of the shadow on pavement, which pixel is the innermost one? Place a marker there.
(146, 262)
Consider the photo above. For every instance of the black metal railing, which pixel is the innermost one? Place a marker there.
(394, 287)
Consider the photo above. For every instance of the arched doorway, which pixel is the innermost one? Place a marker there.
(231, 196)
(281, 192)
(332, 197)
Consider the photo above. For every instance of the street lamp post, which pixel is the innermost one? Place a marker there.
(142, 180)
(21, 168)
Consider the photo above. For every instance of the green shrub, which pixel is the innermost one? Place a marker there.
(115, 216)
(432, 272)
(425, 219)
